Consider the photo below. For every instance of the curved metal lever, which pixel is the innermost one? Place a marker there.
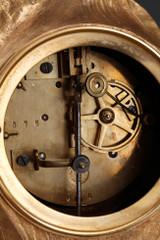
(38, 162)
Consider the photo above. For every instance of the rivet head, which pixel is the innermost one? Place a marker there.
(42, 155)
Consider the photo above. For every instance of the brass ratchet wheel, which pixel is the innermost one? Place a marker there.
(79, 125)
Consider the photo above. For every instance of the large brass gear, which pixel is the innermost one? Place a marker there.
(123, 123)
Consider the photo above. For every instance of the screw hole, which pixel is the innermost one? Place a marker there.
(58, 84)
(113, 154)
(149, 120)
(92, 65)
(46, 67)
(44, 117)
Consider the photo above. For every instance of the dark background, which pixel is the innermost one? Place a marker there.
(153, 7)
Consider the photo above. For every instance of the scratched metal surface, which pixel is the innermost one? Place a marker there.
(20, 25)
(13, 226)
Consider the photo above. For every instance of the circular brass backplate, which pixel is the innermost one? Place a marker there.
(56, 136)
(14, 71)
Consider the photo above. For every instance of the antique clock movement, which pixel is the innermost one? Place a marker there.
(79, 122)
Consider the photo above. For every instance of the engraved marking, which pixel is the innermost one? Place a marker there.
(14, 124)
(36, 123)
(68, 198)
(25, 123)
(89, 196)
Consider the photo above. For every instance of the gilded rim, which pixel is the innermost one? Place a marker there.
(12, 73)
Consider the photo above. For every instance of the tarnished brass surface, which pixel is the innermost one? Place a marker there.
(55, 137)
(119, 25)
(14, 226)
(16, 17)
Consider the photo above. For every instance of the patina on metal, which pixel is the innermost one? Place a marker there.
(121, 26)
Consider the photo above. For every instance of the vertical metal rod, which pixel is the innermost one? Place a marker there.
(79, 193)
(78, 139)
(78, 126)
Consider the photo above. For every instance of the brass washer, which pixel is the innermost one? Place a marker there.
(96, 84)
